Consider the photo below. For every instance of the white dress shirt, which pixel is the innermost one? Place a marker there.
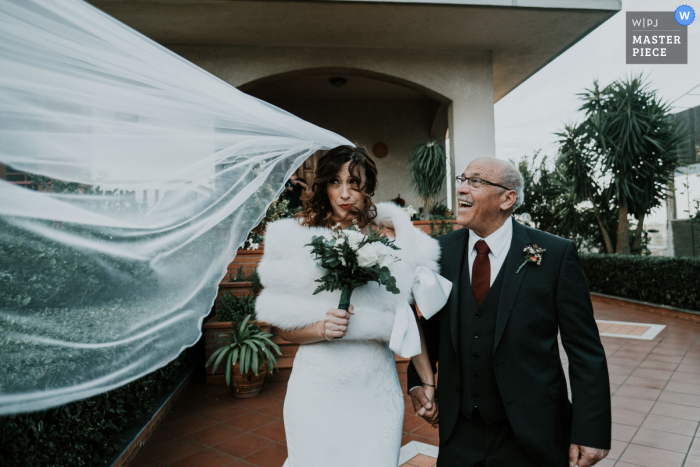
(499, 244)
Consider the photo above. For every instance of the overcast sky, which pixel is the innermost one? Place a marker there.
(527, 117)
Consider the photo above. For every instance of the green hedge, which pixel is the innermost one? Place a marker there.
(661, 280)
(87, 432)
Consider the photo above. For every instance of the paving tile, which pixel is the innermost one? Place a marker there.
(411, 422)
(692, 461)
(617, 379)
(687, 388)
(630, 403)
(421, 460)
(651, 457)
(624, 362)
(189, 424)
(663, 358)
(616, 449)
(662, 440)
(226, 413)
(237, 463)
(421, 439)
(695, 448)
(622, 432)
(676, 411)
(671, 425)
(664, 375)
(656, 365)
(172, 450)
(274, 390)
(628, 417)
(273, 431)
(680, 398)
(620, 370)
(638, 392)
(646, 382)
(243, 445)
(273, 456)
(142, 461)
(427, 431)
(250, 421)
(672, 351)
(205, 458)
(160, 436)
(686, 378)
(274, 410)
(258, 402)
(686, 368)
(215, 434)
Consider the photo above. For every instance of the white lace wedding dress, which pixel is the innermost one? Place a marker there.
(344, 405)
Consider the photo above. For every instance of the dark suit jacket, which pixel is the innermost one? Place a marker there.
(533, 306)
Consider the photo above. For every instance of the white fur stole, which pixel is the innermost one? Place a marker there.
(288, 271)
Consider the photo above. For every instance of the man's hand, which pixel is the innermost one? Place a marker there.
(424, 404)
(582, 456)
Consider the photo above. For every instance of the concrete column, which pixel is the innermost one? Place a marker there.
(471, 120)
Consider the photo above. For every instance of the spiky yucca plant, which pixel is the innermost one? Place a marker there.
(245, 345)
(428, 171)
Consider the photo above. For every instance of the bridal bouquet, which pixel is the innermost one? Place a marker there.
(354, 259)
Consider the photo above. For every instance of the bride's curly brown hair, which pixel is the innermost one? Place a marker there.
(318, 211)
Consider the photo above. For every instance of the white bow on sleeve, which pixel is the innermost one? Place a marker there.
(431, 292)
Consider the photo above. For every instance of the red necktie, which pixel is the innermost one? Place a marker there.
(481, 272)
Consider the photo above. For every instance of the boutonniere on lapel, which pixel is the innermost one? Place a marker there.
(533, 254)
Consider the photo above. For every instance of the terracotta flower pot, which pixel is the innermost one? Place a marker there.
(249, 385)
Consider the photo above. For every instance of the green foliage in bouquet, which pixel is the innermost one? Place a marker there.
(353, 260)
(249, 347)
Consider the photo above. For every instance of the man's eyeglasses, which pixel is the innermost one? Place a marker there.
(476, 182)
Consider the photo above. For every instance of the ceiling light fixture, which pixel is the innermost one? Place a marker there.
(337, 81)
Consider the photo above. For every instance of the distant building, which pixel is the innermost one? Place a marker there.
(683, 236)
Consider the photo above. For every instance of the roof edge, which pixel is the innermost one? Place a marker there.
(601, 5)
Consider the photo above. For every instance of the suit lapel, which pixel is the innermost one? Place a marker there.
(455, 272)
(511, 280)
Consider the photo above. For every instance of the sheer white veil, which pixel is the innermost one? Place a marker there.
(175, 166)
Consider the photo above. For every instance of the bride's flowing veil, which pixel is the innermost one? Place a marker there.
(168, 168)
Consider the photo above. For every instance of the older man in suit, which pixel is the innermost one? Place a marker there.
(502, 394)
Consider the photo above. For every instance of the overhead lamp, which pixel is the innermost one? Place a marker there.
(337, 81)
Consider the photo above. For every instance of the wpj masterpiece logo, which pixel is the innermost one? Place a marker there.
(658, 37)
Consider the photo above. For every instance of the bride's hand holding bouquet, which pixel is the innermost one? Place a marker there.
(352, 259)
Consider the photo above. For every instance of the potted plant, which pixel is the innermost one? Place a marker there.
(246, 358)
(428, 171)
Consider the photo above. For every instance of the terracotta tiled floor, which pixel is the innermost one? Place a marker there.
(655, 397)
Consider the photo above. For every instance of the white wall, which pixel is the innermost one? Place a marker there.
(461, 79)
(400, 124)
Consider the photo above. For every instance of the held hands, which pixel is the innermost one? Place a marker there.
(424, 404)
(336, 323)
(582, 456)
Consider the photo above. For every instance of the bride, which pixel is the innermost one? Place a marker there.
(344, 405)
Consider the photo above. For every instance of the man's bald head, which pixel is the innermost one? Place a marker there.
(504, 173)
(484, 207)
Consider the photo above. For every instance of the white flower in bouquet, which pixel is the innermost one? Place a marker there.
(354, 239)
(410, 211)
(339, 242)
(384, 256)
(367, 256)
